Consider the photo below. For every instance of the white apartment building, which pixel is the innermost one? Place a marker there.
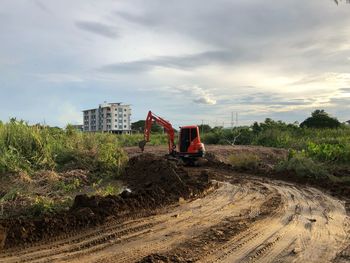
(108, 117)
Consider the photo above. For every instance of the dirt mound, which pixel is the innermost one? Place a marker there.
(148, 171)
(154, 182)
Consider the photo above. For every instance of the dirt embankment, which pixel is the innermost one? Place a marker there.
(154, 182)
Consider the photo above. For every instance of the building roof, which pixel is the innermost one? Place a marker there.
(107, 104)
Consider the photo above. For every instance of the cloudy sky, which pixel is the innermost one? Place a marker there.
(187, 60)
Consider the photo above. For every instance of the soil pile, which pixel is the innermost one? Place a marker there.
(154, 182)
(148, 172)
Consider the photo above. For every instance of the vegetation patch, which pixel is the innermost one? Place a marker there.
(302, 166)
(245, 161)
(43, 168)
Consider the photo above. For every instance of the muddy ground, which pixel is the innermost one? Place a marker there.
(174, 213)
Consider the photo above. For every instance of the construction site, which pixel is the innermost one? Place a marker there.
(212, 211)
(247, 161)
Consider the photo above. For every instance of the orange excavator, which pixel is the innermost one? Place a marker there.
(189, 145)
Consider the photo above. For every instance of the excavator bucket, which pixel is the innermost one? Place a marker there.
(142, 145)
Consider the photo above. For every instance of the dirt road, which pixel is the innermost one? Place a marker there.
(244, 219)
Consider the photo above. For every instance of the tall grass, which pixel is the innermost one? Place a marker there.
(31, 148)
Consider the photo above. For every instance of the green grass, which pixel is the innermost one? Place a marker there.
(33, 148)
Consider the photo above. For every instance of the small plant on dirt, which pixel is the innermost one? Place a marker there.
(68, 187)
(42, 205)
(108, 190)
(247, 161)
(10, 196)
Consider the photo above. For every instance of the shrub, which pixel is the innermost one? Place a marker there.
(329, 152)
(302, 166)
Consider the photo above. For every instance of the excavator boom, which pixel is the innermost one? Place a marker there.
(165, 124)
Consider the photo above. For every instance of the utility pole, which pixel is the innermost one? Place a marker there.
(232, 120)
(202, 127)
(237, 119)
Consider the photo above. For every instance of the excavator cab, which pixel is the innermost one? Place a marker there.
(189, 142)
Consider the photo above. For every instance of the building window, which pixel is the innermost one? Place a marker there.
(124, 126)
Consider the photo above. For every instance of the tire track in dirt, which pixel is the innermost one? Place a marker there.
(252, 220)
(310, 228)
(176, 224)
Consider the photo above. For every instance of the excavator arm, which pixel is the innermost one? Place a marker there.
(151, 117)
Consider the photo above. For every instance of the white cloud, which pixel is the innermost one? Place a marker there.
(195, 93)
(205, 100)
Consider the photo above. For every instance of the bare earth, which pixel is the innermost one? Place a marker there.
(244, 219)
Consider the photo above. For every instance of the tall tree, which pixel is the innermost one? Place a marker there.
(320, 119)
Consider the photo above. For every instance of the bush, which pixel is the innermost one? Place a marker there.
(329, 152)
(302, 166)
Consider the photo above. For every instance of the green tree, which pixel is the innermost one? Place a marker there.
(204, 128)
(139, 126)
(320, 119)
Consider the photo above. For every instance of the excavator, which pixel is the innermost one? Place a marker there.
(189, 146)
